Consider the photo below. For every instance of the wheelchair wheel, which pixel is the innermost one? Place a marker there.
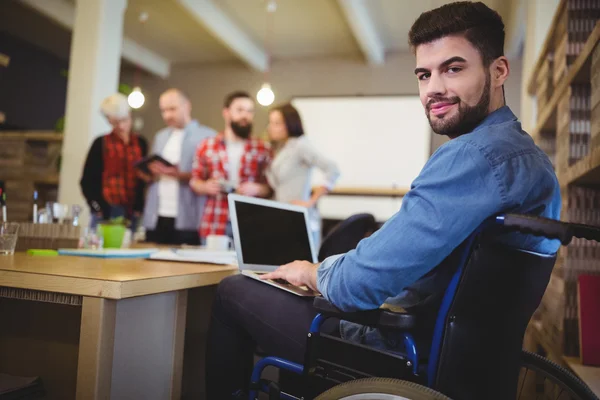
(542, 378)
(380, 389)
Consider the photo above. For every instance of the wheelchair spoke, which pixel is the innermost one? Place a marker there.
(523, 383)
(560, 393)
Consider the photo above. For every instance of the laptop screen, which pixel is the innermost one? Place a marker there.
(271, 236)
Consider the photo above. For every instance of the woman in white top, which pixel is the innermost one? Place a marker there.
(294, 157)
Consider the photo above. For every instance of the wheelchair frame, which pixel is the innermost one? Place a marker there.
(406, 366)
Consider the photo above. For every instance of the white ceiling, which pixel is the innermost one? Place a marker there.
(300, 28)
(395, 17)
(172, 33)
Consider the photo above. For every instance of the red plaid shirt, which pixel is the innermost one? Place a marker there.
(211, 163)
(119, 177)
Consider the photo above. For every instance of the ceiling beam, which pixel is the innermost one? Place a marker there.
(63, 13)
(364, 30)
(216, 21)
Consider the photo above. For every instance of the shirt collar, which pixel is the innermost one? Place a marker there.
(503, 114)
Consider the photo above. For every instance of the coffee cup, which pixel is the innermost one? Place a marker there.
(218, 242)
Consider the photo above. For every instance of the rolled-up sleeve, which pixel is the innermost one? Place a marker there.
(454, 193)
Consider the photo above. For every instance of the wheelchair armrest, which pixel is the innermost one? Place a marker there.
(379, 317)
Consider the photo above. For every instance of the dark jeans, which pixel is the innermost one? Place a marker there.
(165, 233)
(247, 313)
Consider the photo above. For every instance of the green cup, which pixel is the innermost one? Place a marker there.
(112, 235)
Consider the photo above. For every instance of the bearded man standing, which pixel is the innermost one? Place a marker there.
(230, 162)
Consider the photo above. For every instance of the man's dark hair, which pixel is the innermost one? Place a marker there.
(238, 94)
(479, 24)
(292, 120)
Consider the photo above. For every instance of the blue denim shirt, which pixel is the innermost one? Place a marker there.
(495, 168)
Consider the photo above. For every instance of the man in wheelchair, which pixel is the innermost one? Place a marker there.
(489, 166)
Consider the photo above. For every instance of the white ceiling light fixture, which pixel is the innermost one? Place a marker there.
(136, 98)
(265, 95)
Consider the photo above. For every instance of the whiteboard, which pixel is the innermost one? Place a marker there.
(376, 141)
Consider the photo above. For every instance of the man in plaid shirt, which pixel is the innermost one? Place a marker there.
(232, 161)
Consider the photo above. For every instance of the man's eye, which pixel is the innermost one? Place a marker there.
(423, 77)
(454, 70)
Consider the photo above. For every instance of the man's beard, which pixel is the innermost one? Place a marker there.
(242, 131)
(467, 118)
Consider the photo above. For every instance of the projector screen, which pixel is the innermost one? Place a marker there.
(377, 142)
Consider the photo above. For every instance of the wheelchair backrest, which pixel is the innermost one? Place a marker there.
(346, 235)
(482, 320)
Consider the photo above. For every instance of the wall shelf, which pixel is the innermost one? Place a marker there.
(584, 172)
(579, 72)
(566, 84)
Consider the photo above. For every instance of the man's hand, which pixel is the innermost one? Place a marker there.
(298, 273)
(154, 167)
(301, 203)
(145, 177)
(211, 187)
(250, 189)
(158, 168)
(253, 189)
(170, 171)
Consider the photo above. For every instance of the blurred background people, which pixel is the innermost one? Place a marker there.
(230, 162)
(289, 174)
(173, 212)
(110, 182)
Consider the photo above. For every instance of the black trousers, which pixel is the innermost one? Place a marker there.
(165, 233)
(247, 313)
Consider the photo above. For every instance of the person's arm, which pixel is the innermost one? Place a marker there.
(91, 179)
(138, 205)
(157, 169)
(312, 157)
(456, 191)
(200, 183)
(260, 188)
(184, 176)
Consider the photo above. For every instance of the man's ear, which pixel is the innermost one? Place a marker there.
(499, 71)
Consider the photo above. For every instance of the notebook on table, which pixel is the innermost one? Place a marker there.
(108, 253)
(268, 234)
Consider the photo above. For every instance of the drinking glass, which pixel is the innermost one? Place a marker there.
(8, 237)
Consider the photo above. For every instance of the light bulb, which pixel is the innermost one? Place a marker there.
(136, 98)
(265, 95)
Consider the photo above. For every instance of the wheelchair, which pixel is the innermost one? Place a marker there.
(474, 346)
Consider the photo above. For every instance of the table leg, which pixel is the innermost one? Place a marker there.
(132, 348)
(96, 343)
(178, 343)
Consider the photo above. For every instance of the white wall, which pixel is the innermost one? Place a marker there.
(377, 142)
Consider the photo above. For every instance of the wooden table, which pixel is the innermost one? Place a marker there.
(131, 330)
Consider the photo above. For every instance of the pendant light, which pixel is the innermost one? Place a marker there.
(265, 95)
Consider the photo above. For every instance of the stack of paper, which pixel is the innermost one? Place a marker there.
(108, 253)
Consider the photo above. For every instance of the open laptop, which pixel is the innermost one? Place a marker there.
(268, 234)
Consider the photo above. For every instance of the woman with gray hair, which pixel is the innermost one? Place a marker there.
(110, 182)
